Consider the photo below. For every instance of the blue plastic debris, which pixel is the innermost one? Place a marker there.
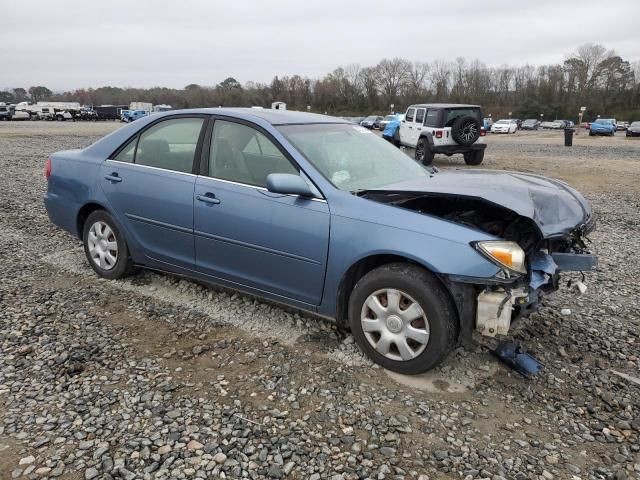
(512, 355)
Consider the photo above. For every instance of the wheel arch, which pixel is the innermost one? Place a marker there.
(368, 263)
(84, 213)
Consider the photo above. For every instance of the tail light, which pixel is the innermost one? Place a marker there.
(47, 169)
(483, 132)
(438, 133)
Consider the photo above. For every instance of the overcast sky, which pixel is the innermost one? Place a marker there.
(66, 44)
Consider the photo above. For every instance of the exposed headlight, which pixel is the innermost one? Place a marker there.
(505, 254)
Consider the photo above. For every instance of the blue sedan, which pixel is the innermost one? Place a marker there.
(321, 214)
(603, 126)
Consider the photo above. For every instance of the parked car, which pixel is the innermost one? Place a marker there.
(5, 112)
(316, 213)
(633, 130)
(63, 115)
(622, 126)
(371, 121)
(446, 128)
(391, 131)
(603, 126)
(385, 120)
(531, 124)
(504, 126)
(585, 125)
(546, 125)
(132, 115)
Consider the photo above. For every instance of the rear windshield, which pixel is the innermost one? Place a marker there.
(453, 113)
(603, 122)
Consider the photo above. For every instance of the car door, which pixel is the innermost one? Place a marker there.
(406, 128)
(417, 124)
(249, 236)
(149, 184)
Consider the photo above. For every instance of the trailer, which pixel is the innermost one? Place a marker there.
(109, 112)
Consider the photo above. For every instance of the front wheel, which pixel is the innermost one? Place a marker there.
(402, 318)
(474, 157)
(105, 246)
(424, 154)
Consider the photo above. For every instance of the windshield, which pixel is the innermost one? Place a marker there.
(388, 118)
(635, 124)
(603, 122)
(351, 157)
(503, 121)
(371, 118)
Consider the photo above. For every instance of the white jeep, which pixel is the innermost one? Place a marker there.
(445, 128)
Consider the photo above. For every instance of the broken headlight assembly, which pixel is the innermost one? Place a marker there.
(507, 255)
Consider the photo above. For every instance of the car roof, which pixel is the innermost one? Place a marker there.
(444, 105)
(274, 117)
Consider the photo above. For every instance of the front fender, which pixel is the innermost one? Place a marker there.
(441, 247)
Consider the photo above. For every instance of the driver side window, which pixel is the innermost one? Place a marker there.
(242, 154)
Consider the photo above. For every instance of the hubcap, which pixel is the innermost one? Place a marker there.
(102, 244)
(394, 324)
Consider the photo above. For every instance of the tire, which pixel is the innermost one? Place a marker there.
(474, 157)
(396, 138)
(590, 133)
(465, 130)
(109, 240)
(434, 324)
(423, 153)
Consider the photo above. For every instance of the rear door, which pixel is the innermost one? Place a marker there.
(249, 236)
(149, 184)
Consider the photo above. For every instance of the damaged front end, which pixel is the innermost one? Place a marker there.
(530, 261)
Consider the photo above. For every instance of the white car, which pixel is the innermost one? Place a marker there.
(504, 126)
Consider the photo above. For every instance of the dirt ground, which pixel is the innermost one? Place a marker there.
(155, 362)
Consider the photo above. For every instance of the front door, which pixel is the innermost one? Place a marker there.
(149, 185)
(417, 124)
(406, 128)
(248, 236)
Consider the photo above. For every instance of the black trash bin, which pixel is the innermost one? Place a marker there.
(568, 136)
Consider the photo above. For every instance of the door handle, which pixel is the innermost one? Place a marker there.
(114, 177)
(208, 198)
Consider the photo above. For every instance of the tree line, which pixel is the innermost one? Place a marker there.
(591, 76)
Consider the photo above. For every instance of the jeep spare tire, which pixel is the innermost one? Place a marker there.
(465, 130)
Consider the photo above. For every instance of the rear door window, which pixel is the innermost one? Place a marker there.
(420, 115)
(170, 144)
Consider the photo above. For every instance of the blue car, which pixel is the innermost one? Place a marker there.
(132, 115)
(322, 215)
(603, 126)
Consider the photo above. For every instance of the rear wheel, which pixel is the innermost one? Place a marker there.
(424, 154)
(105, 247)
(474, 157)
(403, 318)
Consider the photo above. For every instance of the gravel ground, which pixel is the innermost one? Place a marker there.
(157, 377)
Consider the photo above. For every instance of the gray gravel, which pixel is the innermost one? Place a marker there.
(158, 378)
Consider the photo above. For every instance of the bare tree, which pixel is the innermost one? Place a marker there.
(392, 76)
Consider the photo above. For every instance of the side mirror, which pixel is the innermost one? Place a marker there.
(288, 184)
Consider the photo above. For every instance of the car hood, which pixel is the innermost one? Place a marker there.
(554, 206)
